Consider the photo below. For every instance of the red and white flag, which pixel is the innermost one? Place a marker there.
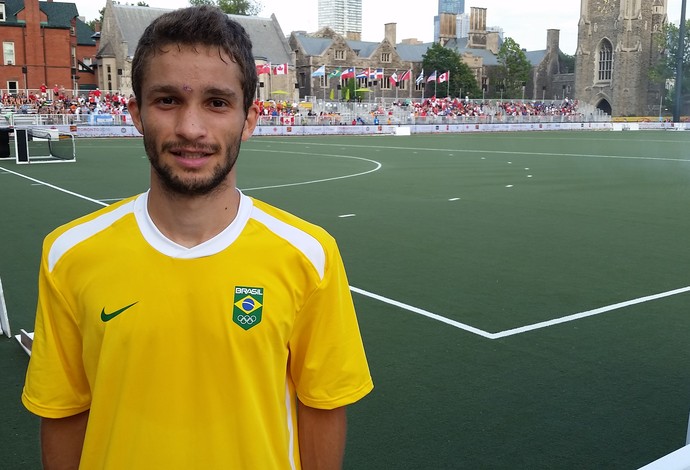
(263, 69)
(406, 76)
(281, 69)
(394, 79)
(444, 77)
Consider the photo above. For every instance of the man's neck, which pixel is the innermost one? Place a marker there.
(192, 220)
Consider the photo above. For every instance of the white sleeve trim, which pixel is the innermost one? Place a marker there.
(305, 243)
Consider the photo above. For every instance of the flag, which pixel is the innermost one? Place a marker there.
(281, 69)
(376, 74)
(320, 72)
(335, 73)
(432, 77)
(405, 76)
(263, 69)
(420, 79)
(363, 74)
(444, 77)
(348, 73)
(394, 78)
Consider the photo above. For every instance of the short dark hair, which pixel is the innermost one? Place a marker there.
(204, 25)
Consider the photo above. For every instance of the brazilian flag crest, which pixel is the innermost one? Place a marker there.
(248, 306)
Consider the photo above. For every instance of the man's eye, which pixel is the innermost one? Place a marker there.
(166, 100)
(218, 103)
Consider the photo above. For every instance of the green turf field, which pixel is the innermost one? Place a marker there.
(523, 297)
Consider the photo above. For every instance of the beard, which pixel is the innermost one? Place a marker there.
(192, 185)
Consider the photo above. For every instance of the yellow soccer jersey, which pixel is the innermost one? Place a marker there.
(192, 358)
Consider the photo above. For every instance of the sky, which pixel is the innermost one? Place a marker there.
(526, 21)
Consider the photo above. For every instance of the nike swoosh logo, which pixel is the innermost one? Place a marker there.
(106, 317)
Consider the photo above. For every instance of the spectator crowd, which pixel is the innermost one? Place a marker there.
(284, 112)
(60, 101)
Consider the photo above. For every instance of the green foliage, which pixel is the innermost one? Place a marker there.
(567, 62)
(462, 81)
(232, 7)
(664, 72)
(513, 70)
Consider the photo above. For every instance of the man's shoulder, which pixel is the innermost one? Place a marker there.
(293, 221)
(67, 236)
(90, 217)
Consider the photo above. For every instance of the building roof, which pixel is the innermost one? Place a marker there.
(267, 38)
(536, 57)
(60, 15)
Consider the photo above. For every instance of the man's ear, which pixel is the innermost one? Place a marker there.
(135, 113)
(250, 122)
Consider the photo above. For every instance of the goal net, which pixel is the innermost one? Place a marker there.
(33, 145)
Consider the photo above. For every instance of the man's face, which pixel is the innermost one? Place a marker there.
(192, 117)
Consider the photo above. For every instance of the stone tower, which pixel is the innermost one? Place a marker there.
(615, 51)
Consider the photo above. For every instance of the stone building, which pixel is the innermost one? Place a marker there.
(616, 49)
(334, 52)
(45, 43)
(123, 25)
(550, 79)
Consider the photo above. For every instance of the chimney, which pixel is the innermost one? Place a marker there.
(391, 32)
(553, 39)
(447, 27)
(477, 36)
(478, 19)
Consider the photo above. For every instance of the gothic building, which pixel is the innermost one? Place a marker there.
(616, 49)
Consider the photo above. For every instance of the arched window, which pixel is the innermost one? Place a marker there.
(605, 60)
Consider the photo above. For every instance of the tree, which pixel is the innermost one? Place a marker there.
(664, 72)
(232, 7)
(462, 81)
(513, 70)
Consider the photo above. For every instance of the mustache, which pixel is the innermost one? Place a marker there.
(186, 145)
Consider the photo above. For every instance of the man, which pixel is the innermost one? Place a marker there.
(192, 327)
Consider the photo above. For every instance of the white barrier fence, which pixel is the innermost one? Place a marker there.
(130, 131)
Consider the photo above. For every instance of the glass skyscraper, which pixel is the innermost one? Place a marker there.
(451, 6)
(343, 16)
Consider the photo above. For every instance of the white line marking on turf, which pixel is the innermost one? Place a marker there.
(344, 216)
(500, 152)
(57, 188)
(419, 311)
(377, 167)
(522, 329)
(589, 313)
(454, 199)
(422, 312)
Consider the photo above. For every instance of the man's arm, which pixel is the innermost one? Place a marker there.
(321, 437)
(62, 440)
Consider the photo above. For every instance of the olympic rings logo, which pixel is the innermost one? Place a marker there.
(246, 319)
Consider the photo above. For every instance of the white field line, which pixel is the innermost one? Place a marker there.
(500, 152)
(417, 310)
(522, 329)
(57, 188)
(377, 167)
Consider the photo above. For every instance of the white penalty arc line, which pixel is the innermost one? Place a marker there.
(522, 329)
(377, 167)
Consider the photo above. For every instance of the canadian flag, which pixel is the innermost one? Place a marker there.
(394, 78)
(281, 69)
(444, 77)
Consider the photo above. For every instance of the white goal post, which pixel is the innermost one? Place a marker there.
(41, 145)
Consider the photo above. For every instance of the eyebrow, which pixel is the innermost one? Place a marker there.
(212, 91)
